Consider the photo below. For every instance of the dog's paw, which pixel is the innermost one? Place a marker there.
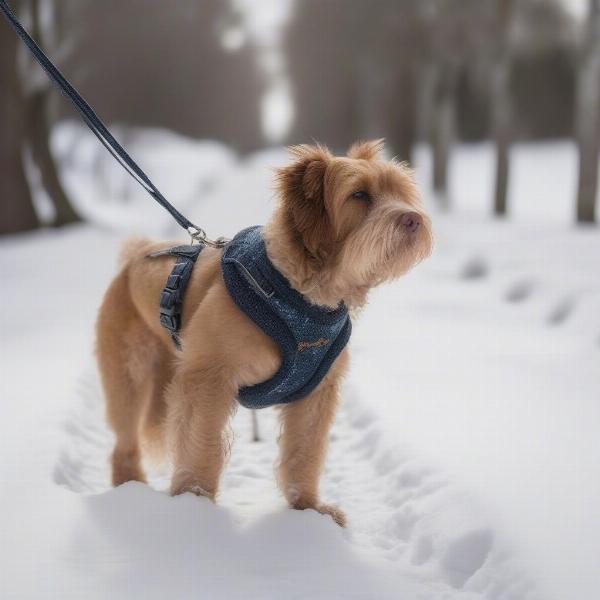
(126, 467)
(192, 488)
(333, 511)
(337, 514)
(184, 481)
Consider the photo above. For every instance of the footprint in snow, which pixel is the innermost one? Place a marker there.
(465, 555)
(422, 551)
(519, 291)
(474, 268)
(403, 523)
(561, 312)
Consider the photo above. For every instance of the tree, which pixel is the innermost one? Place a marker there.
(354, 71)
(17, 212)
(26, 129)
(588, 116)
(444, 122)
(395, 46)
(38, 133)
(321, 48)
(454, 35)
(501, 103)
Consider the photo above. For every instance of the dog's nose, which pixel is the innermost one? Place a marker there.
(411, 221)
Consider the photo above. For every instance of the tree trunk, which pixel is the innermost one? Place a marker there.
(386, 105)
(588, 117)
(39, 140)
(502, 136)
(17, 212)
(502, 110)
(444, 127)
(400, 112)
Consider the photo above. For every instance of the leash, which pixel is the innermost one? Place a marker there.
(98, 128)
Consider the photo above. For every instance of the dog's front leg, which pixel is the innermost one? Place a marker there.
(200, 405)
(303, 446)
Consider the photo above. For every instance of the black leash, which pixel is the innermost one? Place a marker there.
(101, 132)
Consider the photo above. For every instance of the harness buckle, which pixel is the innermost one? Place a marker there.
(199, 235)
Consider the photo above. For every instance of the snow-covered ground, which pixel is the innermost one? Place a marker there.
(466, 452)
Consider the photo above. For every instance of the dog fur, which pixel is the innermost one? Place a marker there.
(331, 244)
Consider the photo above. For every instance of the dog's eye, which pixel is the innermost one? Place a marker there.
(361, 195)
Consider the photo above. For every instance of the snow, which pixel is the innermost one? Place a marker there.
(465, 453)
(542, 184)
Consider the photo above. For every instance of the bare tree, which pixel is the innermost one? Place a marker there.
(454, 34)
(395, 46)
(38, 131)
(501, 103)
(444, 122)
(399, 107)
(588, 116)
(354, 71)
(321, 44)
(17, 212)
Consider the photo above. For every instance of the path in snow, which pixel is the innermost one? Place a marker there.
(403, 514)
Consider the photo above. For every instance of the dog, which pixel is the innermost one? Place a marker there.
(342, 225)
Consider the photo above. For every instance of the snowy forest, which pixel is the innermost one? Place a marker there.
(437, 72)
(465, 452)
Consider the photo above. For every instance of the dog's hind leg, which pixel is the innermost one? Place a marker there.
(155, 417)
(127, 355)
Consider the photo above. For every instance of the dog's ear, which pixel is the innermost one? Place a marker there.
(366, 150)
(301, 186)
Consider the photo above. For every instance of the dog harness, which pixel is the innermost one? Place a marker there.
(171, 298)
(309, 336)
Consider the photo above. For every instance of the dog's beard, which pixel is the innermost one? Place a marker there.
(382, 249)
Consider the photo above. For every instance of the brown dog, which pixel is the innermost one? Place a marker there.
(342, 225)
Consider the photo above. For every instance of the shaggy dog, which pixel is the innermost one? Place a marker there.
(342, 225)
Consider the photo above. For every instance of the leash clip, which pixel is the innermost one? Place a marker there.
(199, 235)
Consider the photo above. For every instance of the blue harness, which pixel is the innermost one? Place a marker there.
(310, 337)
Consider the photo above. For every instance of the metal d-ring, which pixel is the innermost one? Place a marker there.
(199, 235)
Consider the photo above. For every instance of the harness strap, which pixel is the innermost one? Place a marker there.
(171, 298)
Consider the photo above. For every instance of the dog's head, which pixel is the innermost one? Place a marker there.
(358, 217)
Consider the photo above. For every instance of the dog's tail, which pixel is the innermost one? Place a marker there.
(132, 247)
